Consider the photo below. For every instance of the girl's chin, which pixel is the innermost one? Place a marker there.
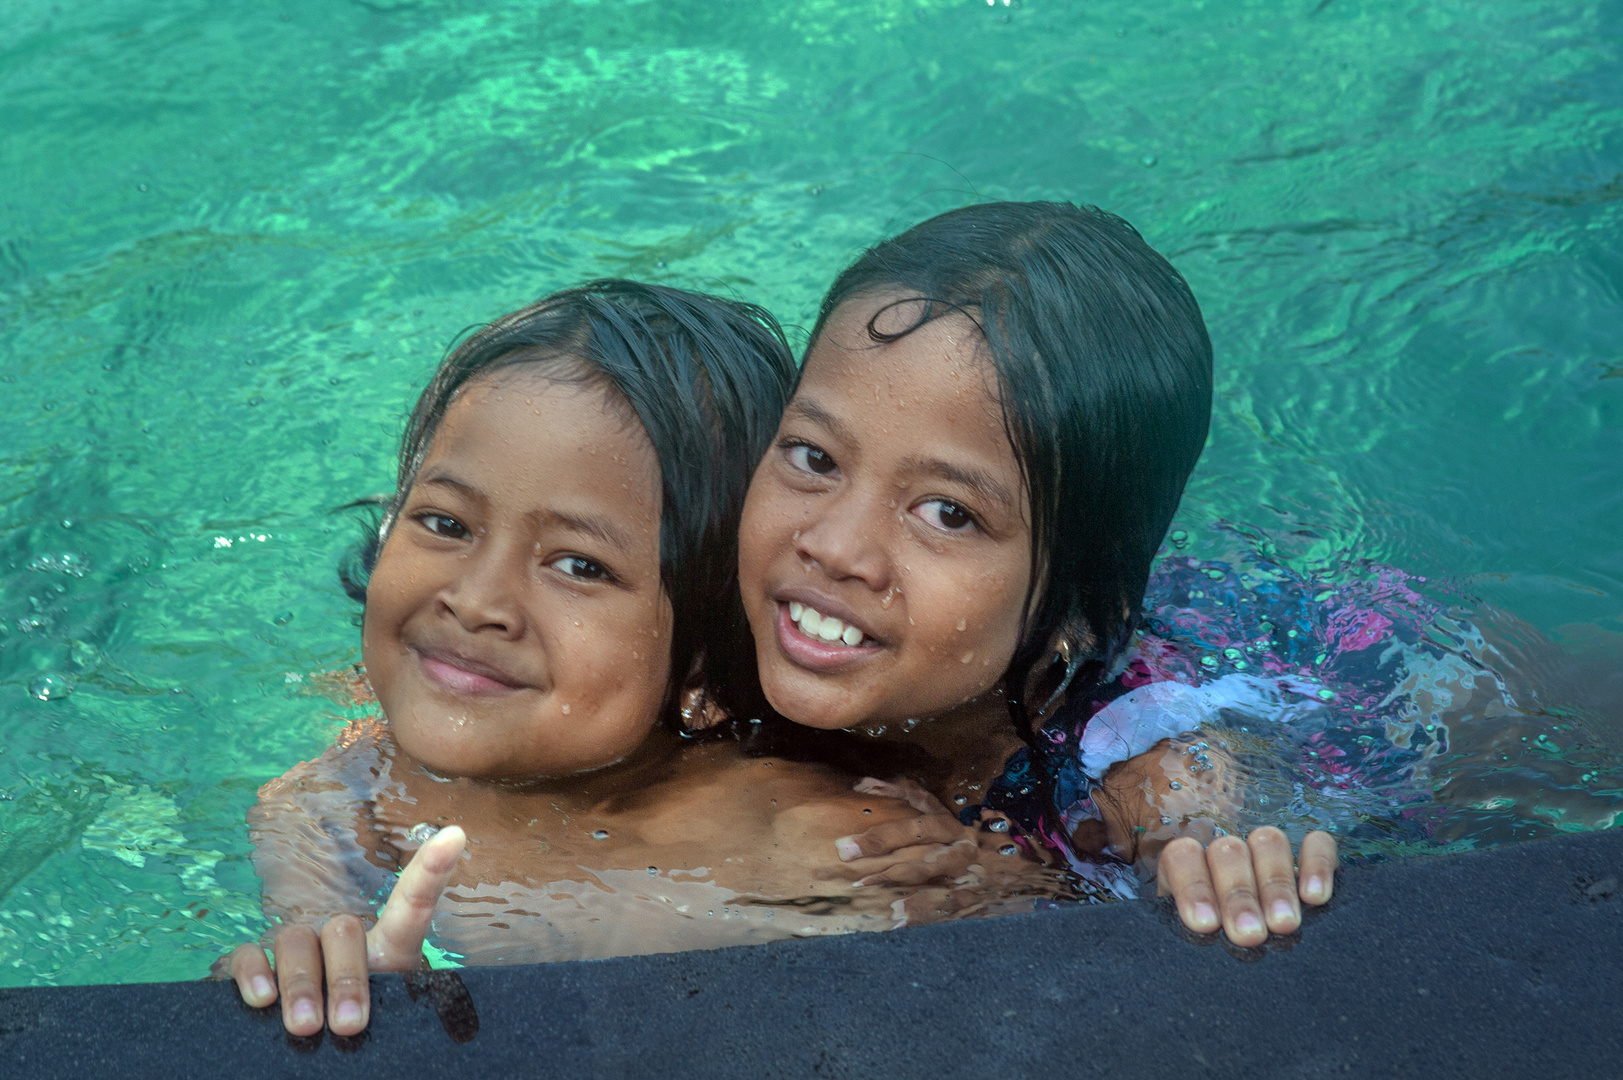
(811, 706)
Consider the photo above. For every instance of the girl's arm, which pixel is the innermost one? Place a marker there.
(1157, 812)
(344, 952)
(1154, 812)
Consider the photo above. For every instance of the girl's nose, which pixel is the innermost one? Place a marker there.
(485, 596)
(847, 541)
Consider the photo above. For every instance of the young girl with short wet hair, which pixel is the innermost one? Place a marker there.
(555, 567)
(990, 435)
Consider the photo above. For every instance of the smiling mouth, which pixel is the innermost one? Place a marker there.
(463, 676)
(825, 628)
(820, 642)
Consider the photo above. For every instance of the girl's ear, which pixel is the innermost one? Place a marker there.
(700, 710)
(1071, 645)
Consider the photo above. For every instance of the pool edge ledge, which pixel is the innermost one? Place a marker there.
(1500, 963)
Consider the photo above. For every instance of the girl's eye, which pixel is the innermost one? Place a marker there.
(810, 459)
(945, 515)
(443, 525)
(578, 566)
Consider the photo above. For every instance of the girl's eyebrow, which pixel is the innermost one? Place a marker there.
(979, 481)
(446, 480)
(810, 410)
(594, 525)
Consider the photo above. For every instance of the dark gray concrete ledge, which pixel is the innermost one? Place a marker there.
(1506, 963)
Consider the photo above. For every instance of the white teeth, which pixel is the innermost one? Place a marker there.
(823, 627)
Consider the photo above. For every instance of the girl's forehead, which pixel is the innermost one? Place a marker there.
(534, 441)
(943, 362)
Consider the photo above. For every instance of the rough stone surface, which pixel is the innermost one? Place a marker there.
(1498, 964)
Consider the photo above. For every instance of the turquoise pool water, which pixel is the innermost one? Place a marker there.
(235, 238)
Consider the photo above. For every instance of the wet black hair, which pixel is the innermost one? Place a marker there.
(1104, 368)
(708, 378)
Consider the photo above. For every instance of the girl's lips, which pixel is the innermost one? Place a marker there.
(448, 674)
(815, 654)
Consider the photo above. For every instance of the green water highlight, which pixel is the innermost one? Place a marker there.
(235, 239)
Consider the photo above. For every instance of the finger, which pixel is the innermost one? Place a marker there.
(349, 995)
(911, 792)
(890, 836)
(252, 974)
(939, 863)
(1319, 861)
(1275, 872)
(298, 978)
(396, 942)
(1182, 874)
(1229, 860)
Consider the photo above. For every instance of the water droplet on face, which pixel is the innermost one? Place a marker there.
(959, 800)
(1175, 786)
(963, 624)
(600, 834)
(421, 832)
(867, 811)
(49, 687)
(1165, 820)
(1008, 849)
(566, 708)
(998, 825)
(653, 871)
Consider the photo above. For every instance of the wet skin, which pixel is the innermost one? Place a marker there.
(516, 629)
(516, 625)
(893, 501)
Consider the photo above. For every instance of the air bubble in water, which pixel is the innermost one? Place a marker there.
(421, 832)
(49, 687)
(1148, 161)
(284, 618)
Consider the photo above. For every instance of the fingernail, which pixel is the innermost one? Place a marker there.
(348, 1012)
(1248, 923)
(262, 988)
(1282, 911)
(1205, 915)
(304, 1013)
(1313, 888)
(848, 849)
